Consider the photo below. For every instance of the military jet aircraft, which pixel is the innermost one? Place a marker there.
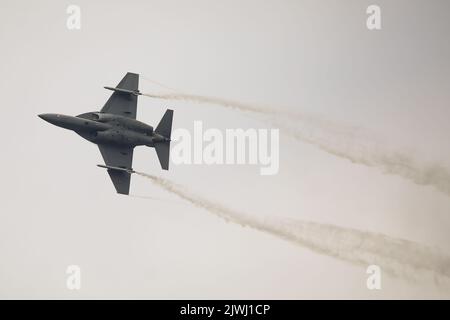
(116, 131)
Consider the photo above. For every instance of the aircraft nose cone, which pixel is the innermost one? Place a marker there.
(44, 116)
(52, 118)
(49, 117)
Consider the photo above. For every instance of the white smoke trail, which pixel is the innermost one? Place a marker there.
(211, 100)
(354, 148)
(401, 258)
(339, 140)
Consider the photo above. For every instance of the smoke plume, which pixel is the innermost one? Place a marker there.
(401, 258)
(342, 141)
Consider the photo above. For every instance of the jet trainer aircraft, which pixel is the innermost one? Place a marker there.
(116, 131)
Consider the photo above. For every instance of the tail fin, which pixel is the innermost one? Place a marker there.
(163, 151)
(164, 127)
(162, 148)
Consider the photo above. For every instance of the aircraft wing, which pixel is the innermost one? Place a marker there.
(124, 104)
(119, 157)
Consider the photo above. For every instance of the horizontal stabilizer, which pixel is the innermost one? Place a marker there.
(163, 151)
(164, 127)
(162, 147)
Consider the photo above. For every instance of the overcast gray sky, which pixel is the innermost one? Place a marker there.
(57, 208)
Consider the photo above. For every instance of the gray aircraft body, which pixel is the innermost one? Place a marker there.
(116, 131)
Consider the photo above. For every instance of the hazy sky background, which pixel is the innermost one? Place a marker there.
(58, 208)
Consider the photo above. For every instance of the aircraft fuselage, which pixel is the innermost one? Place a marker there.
(106, 128)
